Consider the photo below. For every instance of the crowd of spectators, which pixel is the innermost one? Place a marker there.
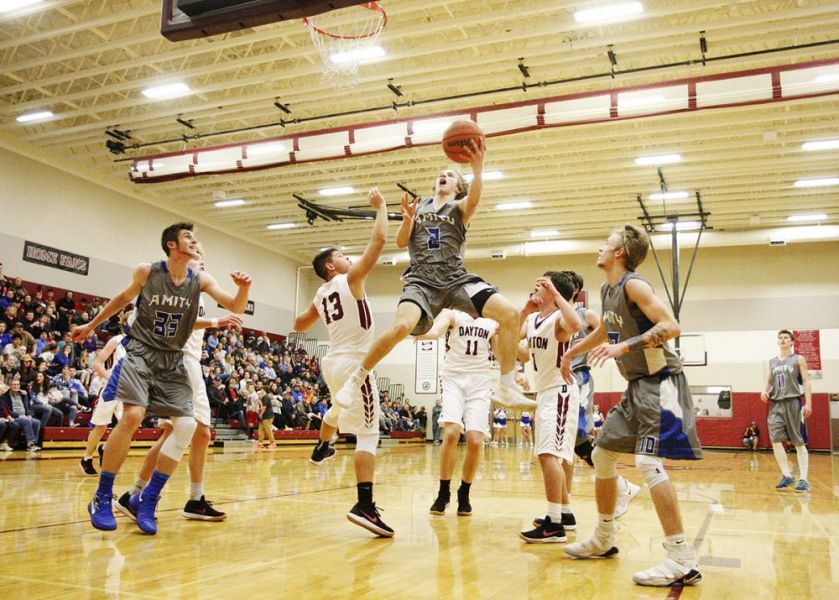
(47, 379)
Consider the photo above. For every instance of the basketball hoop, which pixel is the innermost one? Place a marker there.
(346, 39)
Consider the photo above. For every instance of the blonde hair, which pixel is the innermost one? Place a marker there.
(635, 243)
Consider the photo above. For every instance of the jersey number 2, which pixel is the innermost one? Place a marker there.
(337, 310)
(433, 238)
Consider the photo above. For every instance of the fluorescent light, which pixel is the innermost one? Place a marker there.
(430, 126)
(144, 165)
(820, 145)
(680, 226)
(514, 205)
(609, 12)
(10, 5)
(537, 233)
(41, 115)
(669, 195)
(817, 182)
(357, 55)
(636, 101)
(267, 148)
(229, 203)
(487, 176)
(829, 78)
(657, 159)
(337, 191)
(168, 90)
(275, 226)
(810, 217)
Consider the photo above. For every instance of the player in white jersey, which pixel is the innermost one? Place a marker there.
(104, 411)
(197, 507)
(342, 304)
(467, 391)
(547, 332)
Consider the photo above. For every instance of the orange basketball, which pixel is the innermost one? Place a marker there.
(457, 136)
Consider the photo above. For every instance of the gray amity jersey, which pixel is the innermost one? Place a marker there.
(165, 313)
(786, 378)
(624, 321)
(436, 244)
(581, 360)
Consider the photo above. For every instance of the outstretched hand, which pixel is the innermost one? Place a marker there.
(475, 153)
(376, 199)
(241, 279)
(409, 207)
(230, 321)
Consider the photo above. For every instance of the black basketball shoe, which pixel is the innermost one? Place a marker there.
(322, 453)
(202, 510)
(569, 523)
(86, 465)
(439, 506)
(124, 506)
(464, 508)
(547, 532)
(368, 516)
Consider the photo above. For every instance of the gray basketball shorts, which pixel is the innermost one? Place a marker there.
(784, 421)
(655, 417)
(152, 378)
(432, 297)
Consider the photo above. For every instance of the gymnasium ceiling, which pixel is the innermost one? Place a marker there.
(87, 62)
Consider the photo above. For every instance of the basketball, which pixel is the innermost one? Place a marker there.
(457, 136)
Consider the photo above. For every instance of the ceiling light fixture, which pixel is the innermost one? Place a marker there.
(816, 182)
(267, 148)
(669, 195)
(41, 115)
(827, 78)
(359, 55)
(655, 160)
(609, 12)
(487, 176)
(10, 5)
(680, 226)
(820, 145)
(168, 90)
(230, 203)
(337, 191)
(808, 217)
(276, 226)
(514, 205)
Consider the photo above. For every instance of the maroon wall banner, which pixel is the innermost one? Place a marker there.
(57, 259)
(807, 345)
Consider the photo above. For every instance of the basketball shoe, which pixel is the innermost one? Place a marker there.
(144, 505)
(322, 453)
(803, 486)
(86, 465)
(439, 506)
(569, 522)
(599, 545)
(349, 392)
(678, 568)
(784, 482)
(625, 496)
(368, 516)
(464, 507)
(511, 396)
(124, 506)
(202, 510)
(546, 533)
(102, 513)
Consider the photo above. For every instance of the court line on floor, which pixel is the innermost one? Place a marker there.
(71, 585)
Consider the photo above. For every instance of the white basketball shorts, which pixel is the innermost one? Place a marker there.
(363, 416)
(557, 411)
(466, 400)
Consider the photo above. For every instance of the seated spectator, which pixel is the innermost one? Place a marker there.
(27, 371)
(62, 360)
(751, 436)
(8, 433)
(27, 340)
(5, 336)
(15, 407)
(40, 401)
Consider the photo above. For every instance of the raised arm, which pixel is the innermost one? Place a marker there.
(475, 153)
(104, 354)
(115, 304)
(406, 228)
(359, 271)
(442, 323)
(237, 304)
(306, 319)
(588, 343)
(569, 323)
(805, 382)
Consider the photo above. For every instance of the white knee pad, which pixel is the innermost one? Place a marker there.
(367, 442)
(652, 469)
(605, 463)
(331, 416)
(178, 440)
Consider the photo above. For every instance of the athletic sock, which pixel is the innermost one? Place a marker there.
(677, 544)
(605, 525)
(365, 492)
(196, 490)
(554, 512)
(155, 486)
(361, 373)
(508, 379)
(138, 487)
(803, 461)
(781, 458)
(106, 484)
(566, 508)
(445, 488)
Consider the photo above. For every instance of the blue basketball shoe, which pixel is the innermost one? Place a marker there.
(144, 505)
(101, 513)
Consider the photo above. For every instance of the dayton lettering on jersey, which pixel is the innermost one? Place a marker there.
(472, 331)
(538, 342)
(167, 300)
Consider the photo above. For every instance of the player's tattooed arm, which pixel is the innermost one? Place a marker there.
(649, 339)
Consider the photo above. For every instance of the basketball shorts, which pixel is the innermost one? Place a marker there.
(585, 423)
(525, 424)
(466, 400)
(104, 412)
(655, 417)
(784, 421)
(435, 290)
(556, 423)
(152, 378)
(363, 416)
(200, 400)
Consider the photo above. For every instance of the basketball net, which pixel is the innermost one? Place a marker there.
(346, 39)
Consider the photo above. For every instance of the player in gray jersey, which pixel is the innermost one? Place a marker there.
(152, 375)
(788, 381)
(655, 417)
(434, 230)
